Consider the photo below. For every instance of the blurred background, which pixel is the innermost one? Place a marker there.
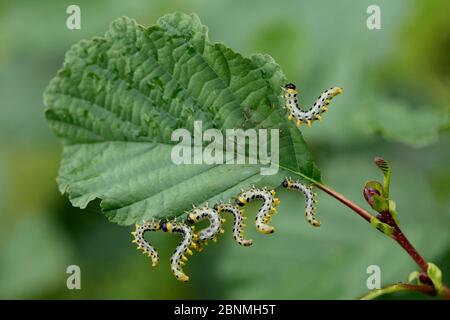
(395, 105)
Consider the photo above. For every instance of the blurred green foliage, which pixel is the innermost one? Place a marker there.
(396, 98)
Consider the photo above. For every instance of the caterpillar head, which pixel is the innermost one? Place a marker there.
(241, 201)
(192, 218)
(167, 227)
(196, 214)
(218, 206)
(287, 183)
(290, 88)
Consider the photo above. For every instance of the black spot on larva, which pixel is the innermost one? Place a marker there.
(190, 220)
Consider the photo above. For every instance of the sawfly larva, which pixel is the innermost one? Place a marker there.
(239, 219)
(179, 258)
(313, 113)
(143, 244)
(310, 199)
(215, 222)
(267, 209)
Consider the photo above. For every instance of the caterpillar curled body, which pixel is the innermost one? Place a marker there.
(313, 113)
(267, 209)
(178, 259)
(239, 219)
(215, 223)
(143, 244)
(310, 199)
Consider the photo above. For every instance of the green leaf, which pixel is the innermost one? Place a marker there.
(377, 202)
(435, 275)
(380, 204)
(118, 98)
(384, 166)
(381, 226)
(375, 185)
(393, 212)
(414, 276)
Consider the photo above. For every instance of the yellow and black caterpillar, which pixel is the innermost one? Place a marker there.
(143, 244)
(239, 222)
(310, 199)
(215, 222)
(314, 113)
(267, 209)
(192, 240)
(179, 257)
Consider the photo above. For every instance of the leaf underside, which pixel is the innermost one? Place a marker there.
(118, 98)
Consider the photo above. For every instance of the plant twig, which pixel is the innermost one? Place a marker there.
(398, 287)
(398, 236)
(403, 241)
(360, 211)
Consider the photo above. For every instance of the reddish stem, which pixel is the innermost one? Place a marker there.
(360, 211)
(404, 242)
(398, 235)
(401, 239)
